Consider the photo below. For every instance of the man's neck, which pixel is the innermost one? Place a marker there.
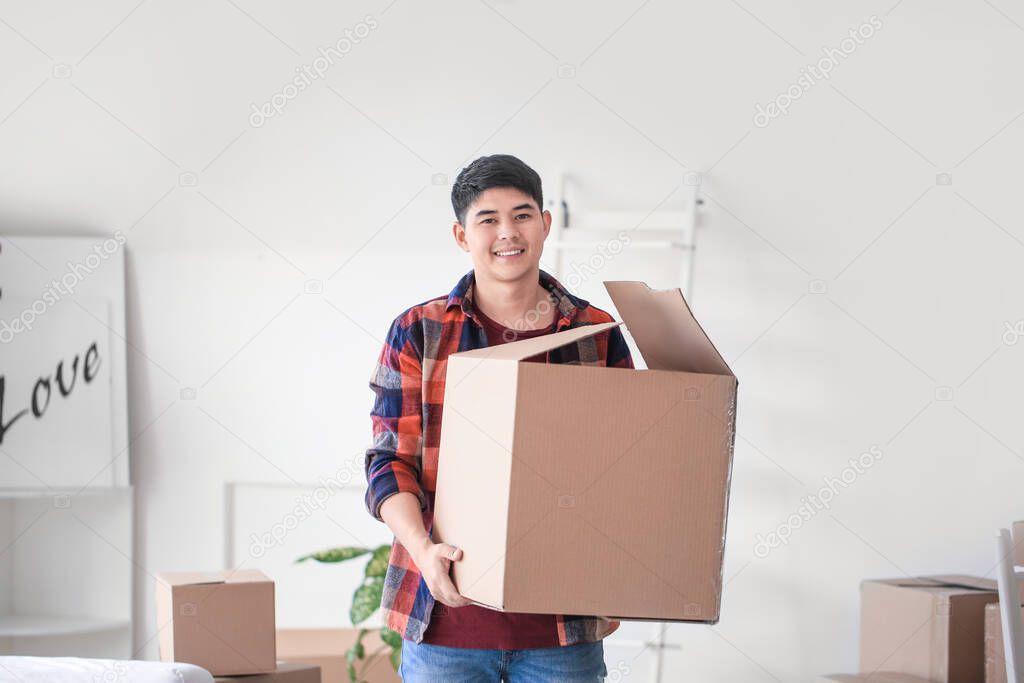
(520, 304)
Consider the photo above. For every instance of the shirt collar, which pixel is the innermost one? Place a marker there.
(568, 304)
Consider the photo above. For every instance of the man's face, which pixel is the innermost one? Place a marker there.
(504, 233)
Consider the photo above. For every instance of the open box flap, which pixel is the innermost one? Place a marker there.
(204, 578)
(190, 578)
(665, 331)
(525, 348)
(949, 581)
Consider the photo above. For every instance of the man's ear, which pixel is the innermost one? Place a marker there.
(547, 222)
(459, 233)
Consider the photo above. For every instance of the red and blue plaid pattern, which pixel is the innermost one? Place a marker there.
(408, 381)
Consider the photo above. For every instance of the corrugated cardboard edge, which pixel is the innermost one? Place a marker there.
(731, 429)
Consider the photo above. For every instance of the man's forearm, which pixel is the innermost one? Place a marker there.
(402, 513)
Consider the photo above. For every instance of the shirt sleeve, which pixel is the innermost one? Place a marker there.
(394, 462)
(619, 355)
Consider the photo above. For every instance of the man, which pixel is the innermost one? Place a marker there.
(501, 224)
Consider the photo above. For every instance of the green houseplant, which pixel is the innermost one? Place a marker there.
(365, 602)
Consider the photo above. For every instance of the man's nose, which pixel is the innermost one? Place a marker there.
(508, 229)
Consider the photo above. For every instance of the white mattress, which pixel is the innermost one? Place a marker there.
(81, 670)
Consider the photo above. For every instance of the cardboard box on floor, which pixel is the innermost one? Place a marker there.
(221, 621)
(932, 627)
(286, 672)
(326, 648)
(577, 489)
(995, 662)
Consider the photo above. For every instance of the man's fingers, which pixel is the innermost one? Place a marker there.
(449, 595)
(455, 600)
(446, 587)
(453, 553)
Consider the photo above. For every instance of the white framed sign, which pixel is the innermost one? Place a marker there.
(63, 407)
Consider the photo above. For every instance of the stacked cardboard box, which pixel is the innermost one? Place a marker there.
(221, 621)
(932, 627)
(225, 623)
(944, 629)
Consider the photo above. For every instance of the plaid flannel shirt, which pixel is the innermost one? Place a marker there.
(408, 382)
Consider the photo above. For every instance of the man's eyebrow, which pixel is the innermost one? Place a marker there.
(485, 212)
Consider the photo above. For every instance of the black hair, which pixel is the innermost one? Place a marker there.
(496, 170)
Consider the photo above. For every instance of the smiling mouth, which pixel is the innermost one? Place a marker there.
(509, 253)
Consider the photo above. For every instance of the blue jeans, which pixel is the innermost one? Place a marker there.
(426, 663)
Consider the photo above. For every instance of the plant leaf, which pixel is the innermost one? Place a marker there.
(378, 564)
(352, 673)
(396, 658)
(391, 637)
(366, 600)
(359, 648)
(335, 554)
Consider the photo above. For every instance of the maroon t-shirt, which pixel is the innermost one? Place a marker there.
(473, 626)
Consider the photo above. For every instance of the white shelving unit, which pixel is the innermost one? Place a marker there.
(66, 498)
(659, 248)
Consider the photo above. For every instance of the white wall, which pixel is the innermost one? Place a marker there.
(916, 278)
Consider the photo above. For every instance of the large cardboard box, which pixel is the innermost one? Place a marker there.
(932, 627)
(995, 662)
(578, 489)
(286, 672)
(876, 677)
(326, 648)
(221, 621)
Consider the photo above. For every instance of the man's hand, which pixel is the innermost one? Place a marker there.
(401, 512)
(434, 561)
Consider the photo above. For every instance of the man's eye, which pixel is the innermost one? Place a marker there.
(523, 215)
(486, 220)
